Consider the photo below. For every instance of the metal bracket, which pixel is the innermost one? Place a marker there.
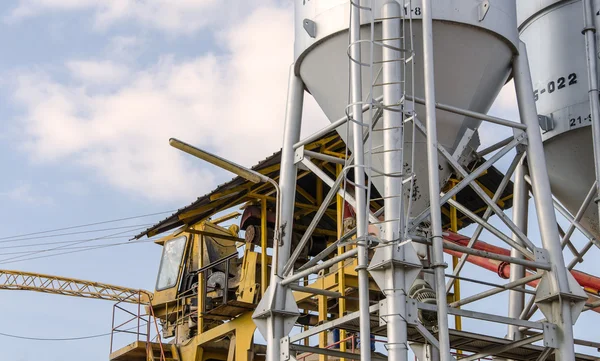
(310, 27)
(547, 294)
(541, 255)
(284, 345)
(484, 7)
(550, 335)
(299, 155)
(412, 312)
(462, 152)
(266, 308)
(382, 308)
(401, 255)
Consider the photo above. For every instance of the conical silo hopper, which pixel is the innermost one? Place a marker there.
(474, 43)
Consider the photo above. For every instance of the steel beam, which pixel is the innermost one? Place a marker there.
(469, 113)
(561, 310)
(275, 322)
(516, 300)
(589, 31)
(434, 186)
(498, 350)
(362, 210)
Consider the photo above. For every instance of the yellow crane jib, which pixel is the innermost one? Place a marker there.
(26, 281)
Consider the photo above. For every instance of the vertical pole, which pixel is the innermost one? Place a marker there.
(589, 32)
(395, 289)
(264, 278)
(434, 186)
(516, 299)
(561, 309)
(341, 272)
(322, 300)
(356, 99)
(454, 228)
(287, 185)
(322, 306)
(201, 284)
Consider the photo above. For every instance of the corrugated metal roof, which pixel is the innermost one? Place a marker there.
(490, 180)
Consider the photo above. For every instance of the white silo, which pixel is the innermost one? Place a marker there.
(552, 30)
(474, 43)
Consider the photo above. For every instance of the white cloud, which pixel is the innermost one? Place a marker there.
(98, 72)
(169, 15)
(25, 194)
(232, 104)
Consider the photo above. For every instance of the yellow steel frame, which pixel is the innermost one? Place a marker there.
(454, 228)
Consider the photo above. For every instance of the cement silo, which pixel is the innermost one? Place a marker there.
(474, 42)
(552, 30)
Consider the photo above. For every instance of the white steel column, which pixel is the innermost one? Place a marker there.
(356, 100)
(589, 31)
(560, 306)
(393, 160)
(434, 186)
(516, 299)
(274, 300)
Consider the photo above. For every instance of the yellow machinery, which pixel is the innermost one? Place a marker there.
(210, 279)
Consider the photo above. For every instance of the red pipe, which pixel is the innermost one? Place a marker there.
(590, 282)
(503, 269)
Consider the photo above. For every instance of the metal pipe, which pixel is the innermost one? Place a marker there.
(497, 257)
(434, 185)
(393, 161)
(561, 311)
(509, 286)
(589, 31)
(324, 157)
(241, 171)
(264, 275)
(314, 269)
(469, 113)
(492, 148)
(516, 300)
(362, 209)
(331, 127)
(287, 181)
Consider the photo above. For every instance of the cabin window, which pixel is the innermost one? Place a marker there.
(170, 262)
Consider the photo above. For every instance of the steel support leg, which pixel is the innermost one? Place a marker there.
(271, 314)
(394, 289)
(362, 210)
(589, 32)
(559, 282)
(516, 299)
(434, 185)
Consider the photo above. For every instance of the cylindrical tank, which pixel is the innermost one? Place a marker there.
(474, 42)
(552, 30)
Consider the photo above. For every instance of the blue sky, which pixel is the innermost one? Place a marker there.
(90, 93)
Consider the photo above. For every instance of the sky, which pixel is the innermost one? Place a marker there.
(90, 93)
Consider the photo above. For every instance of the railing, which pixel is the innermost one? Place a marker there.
(351, 338)
(209, 268)
(137, 323)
